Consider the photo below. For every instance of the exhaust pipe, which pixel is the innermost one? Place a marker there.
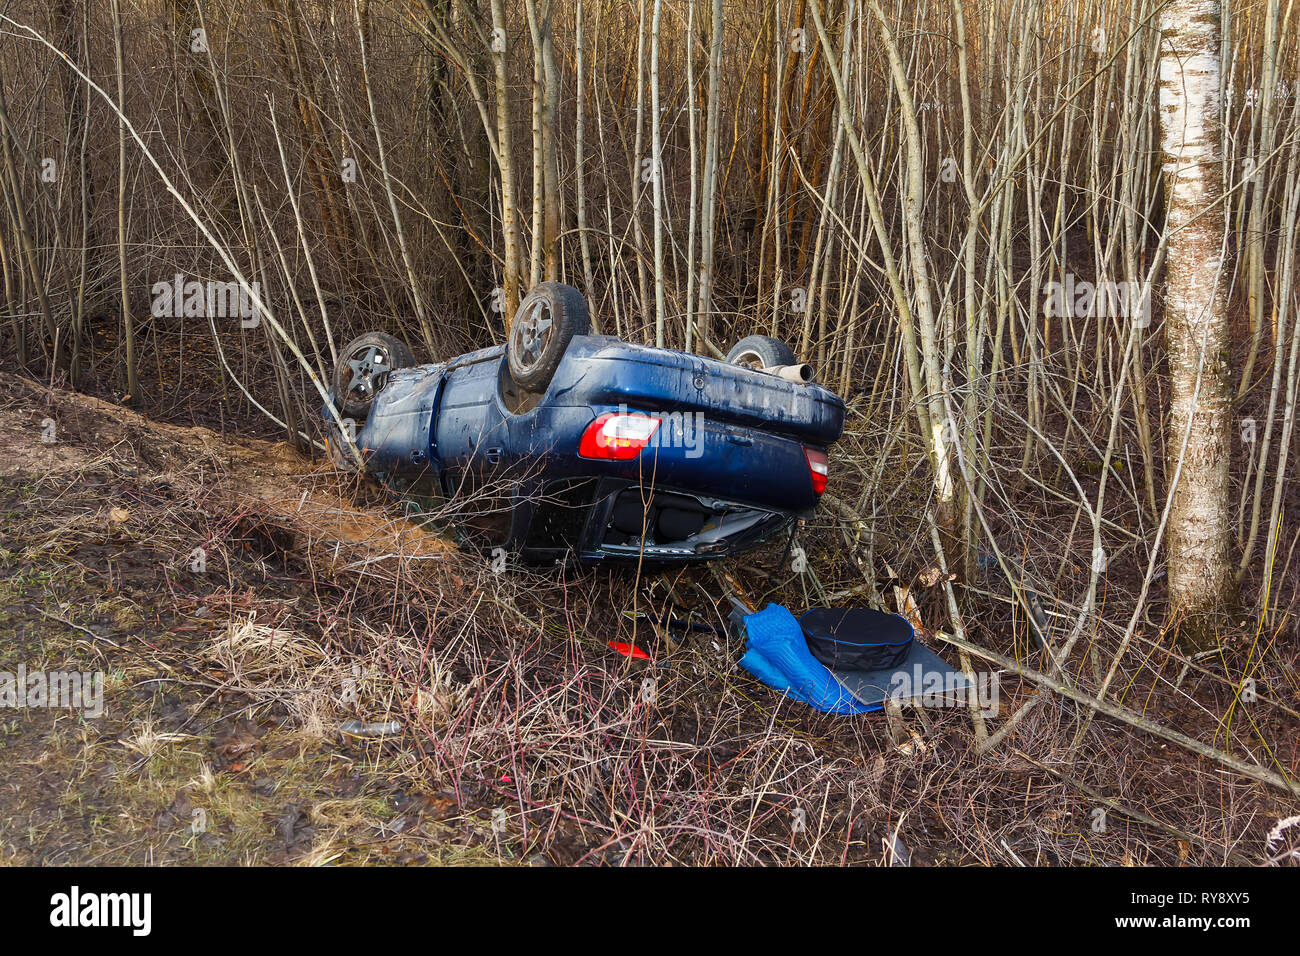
(800, 374)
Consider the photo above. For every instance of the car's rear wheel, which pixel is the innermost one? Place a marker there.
(363, 369)
(547, 319)
(760, 351)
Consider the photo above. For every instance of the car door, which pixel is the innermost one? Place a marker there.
(471, 441)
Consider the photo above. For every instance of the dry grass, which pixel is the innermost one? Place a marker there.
(524, 738)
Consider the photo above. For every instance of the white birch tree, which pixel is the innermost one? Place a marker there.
(1196, 324)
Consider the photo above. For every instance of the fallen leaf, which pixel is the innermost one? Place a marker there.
(929, 577)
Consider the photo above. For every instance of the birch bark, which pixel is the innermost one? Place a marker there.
(1196, 326)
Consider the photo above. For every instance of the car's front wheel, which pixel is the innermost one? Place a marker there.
(547, 319)
(363, 369)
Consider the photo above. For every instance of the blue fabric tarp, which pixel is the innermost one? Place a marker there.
(777, 654)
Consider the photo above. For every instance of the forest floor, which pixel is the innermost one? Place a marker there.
(101, 516)
(229, 682)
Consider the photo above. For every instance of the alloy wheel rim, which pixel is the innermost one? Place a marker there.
(370, 367)
(532, 334)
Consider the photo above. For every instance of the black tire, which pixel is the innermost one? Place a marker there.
(363, 369)
(547, 319)
(760, 351)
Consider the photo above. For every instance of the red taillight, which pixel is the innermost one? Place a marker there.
(817, 468)
(618, 435)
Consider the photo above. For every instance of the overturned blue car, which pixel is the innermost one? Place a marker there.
(563, 444)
